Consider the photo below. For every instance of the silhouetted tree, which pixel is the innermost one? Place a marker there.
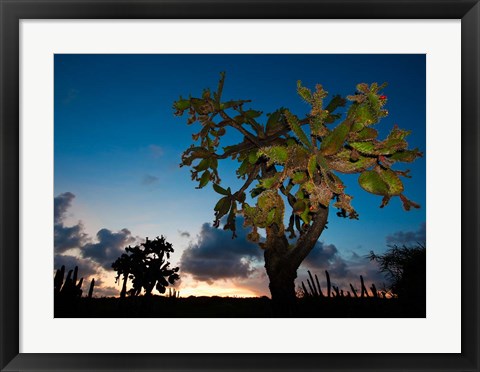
(147, 266)
(405, 269)
(294, 160)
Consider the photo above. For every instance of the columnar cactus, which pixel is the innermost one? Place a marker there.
(329, 284)
(364, 289)
(58, 281)
(70, 288)
(90, 291)
(354, 291)
(315, 289)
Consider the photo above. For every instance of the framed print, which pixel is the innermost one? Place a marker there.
(234, 187)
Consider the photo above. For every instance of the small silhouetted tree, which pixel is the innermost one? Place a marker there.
(405, 269)
(294, 160)
(147, 266)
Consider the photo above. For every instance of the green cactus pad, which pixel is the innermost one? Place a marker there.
(223, 206)
(204, 179)
(333, 182)
(275, 154)
(383, 182)
(365, 115)
(253, 156)
(371, 148)
(364, 134)
(273, 123)
(297, 129)
(333, 142)
(406, 156)
(342, 162)
(182, 104)
(303, 92)
(317, 126)
(320, 194)
(299, 206)
(260, 215)
(267, 183)
(337, 101)
(220, 189)
(299, 177)
(203, 165)
(371, 182)
(363, 88)
(312, 166)
(395, 185)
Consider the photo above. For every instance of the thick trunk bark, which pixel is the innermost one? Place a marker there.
(282, 288)
(280, 272)
(282, 262)
(124, 287)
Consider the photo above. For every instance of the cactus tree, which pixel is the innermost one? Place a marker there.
(291, 164)
(147, 266)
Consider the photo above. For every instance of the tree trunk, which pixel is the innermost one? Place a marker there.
(124, 287)
(282, 289)
(282, 262)
(280, 272)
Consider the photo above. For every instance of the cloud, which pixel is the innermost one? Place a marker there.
(155, 151)
(355, 255)
(148, 179)
(99, 282)
(409, 237)
(342, 270)
(106, 292)
(215, 255)
(212, 255)
(321, 254)
(66, 238)
(60, 205)
(256, 283)
(109, 247)
(326, 257)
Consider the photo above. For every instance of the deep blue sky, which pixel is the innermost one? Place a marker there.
(118, 144)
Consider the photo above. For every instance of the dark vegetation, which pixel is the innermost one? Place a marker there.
(232, 307)
(70, 288)
(403, 297)
(315, 290)
(405, 269)
(147, 266)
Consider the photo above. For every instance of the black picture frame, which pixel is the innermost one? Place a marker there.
(12, 11)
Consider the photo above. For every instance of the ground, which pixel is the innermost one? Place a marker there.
(231, 307)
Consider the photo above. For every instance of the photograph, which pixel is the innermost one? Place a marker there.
(239, 186)
(257, 180)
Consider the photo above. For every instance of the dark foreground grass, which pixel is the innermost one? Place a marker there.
(230, 307)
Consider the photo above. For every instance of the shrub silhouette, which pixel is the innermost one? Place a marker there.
(294, 160)
(69, 288)
(147, 266)
(405, 269)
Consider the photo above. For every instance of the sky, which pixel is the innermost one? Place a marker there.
(118, 146)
